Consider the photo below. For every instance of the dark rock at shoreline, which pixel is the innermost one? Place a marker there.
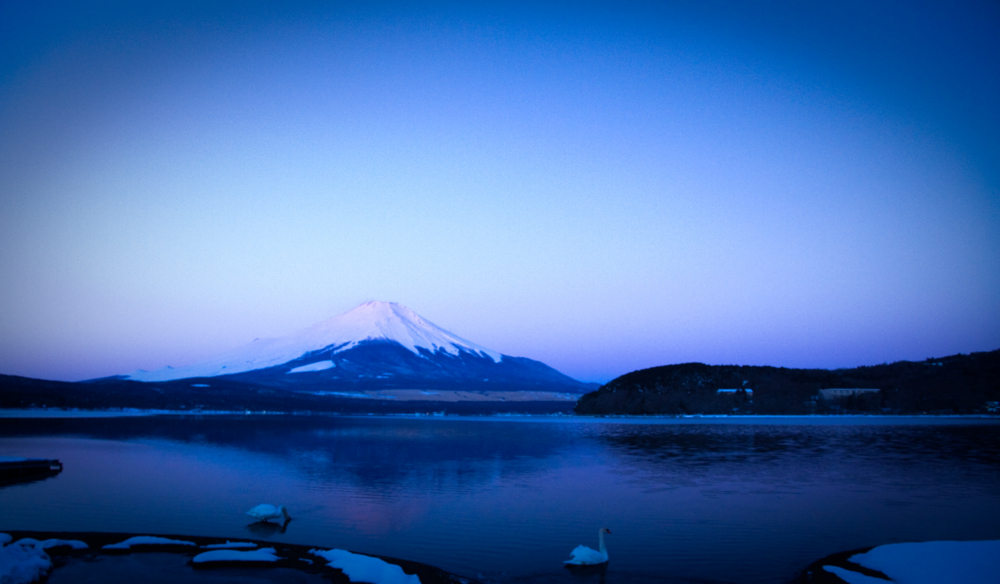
(815, 574)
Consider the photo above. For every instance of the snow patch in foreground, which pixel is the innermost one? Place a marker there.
(261, 555)
(852, 577)
(50, 543)
(932, 562)
(229, 545)
(20, 564)
(361, 568)
(145, 540)
(317, 366)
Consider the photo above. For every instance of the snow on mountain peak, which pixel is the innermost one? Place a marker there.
(375, 321)
(372, 321)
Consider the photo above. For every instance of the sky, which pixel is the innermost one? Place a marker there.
(603, 187)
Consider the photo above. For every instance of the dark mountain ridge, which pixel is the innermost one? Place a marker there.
(959, 384)
(215, 394)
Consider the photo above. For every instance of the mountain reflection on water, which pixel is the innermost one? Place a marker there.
(749, 501)
(378, 453)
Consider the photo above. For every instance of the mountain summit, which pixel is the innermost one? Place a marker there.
(376, 346)
(388, 321)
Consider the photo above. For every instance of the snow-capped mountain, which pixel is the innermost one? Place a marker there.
(375, 345)
(372, 321)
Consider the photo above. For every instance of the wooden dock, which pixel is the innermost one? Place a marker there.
(17, 469)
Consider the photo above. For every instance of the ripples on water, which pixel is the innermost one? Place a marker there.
(507, 500)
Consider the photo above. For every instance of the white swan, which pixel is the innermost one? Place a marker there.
(265, 512)
(584, 556)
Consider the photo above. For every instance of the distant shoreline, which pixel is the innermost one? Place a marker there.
(55, 413)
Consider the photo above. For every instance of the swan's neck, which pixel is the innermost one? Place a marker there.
(600, 541)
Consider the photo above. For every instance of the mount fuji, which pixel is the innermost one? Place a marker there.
(378, 347)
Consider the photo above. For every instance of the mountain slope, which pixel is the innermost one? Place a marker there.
(372, 365)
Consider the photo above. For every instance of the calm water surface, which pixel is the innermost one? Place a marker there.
(506, 500)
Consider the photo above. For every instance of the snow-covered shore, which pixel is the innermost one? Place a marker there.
(26, 556)
(932, 562)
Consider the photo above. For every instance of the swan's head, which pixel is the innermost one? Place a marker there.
(605, 530)
(284, 512)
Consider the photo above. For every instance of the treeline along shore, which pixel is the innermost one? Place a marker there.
(956, 385)
(223, 394)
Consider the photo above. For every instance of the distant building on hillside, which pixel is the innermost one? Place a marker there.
(749, 391)
(836, 392)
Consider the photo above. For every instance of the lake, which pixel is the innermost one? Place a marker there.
(506, 499)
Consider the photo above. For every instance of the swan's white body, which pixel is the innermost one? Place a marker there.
(265, 512)
(584, 556)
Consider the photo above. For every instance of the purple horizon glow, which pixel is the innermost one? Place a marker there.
(600, 188)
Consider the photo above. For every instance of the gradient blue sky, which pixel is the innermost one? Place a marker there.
(602, 187)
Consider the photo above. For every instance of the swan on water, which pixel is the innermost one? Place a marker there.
(584, 556)
(265, 512)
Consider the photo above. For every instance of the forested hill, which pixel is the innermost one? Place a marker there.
(960, 384)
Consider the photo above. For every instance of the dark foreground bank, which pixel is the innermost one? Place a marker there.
(152, 564)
